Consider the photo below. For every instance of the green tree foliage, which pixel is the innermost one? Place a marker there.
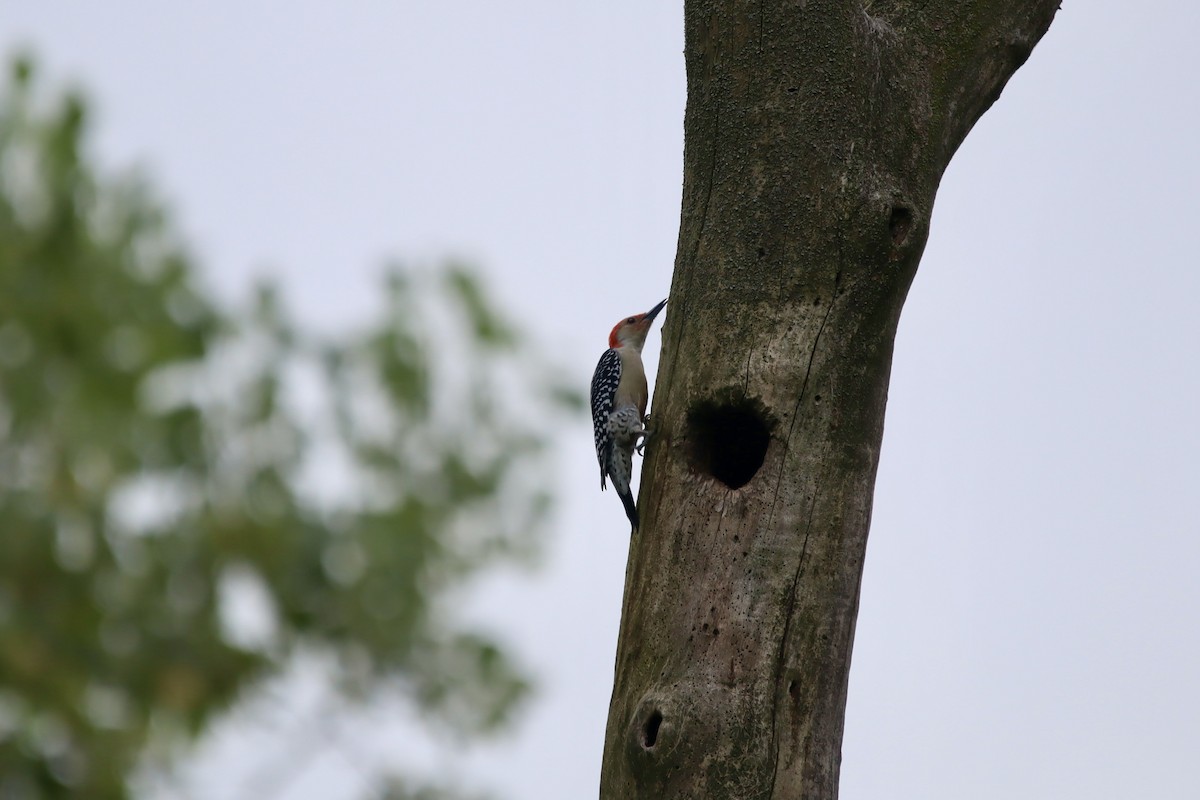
(162, 457)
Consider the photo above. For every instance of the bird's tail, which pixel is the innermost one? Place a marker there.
(629, 503)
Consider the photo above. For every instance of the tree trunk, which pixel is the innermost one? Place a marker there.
(815, 137)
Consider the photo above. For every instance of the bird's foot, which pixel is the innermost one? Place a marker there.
(644, 435)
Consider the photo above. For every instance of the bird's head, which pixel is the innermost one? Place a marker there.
(632, 331)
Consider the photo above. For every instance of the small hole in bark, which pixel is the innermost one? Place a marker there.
(1018, 52)
(728, 440)
(793, 689)
(761, 252)
(650, 729)
(900, 224)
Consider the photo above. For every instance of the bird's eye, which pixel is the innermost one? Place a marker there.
(631, 320)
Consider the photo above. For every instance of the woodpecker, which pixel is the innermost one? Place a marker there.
(619, 397)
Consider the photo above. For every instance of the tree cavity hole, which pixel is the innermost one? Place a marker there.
(728, 440)
(900, 224)
(650, 729)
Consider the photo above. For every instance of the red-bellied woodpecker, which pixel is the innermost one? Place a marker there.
(619, 397)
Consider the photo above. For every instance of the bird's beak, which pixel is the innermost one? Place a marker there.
(654, 311)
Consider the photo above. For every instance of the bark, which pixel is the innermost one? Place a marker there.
(816, 134)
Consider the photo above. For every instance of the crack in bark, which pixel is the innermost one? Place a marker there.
(812, 356)
(712, 170)
(787, 442)
(787, 627)
(761, 21)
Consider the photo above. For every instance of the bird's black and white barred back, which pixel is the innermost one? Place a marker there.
(605, 380)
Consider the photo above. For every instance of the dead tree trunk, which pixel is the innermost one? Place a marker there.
(815, 137)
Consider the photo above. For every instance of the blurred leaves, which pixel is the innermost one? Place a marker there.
(162, 457)
(399, 790)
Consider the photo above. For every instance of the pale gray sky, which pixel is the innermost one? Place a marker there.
(1030, 607)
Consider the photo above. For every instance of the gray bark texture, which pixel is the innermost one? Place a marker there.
(816, 134)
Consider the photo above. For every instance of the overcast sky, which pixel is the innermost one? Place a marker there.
(1030, 606)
